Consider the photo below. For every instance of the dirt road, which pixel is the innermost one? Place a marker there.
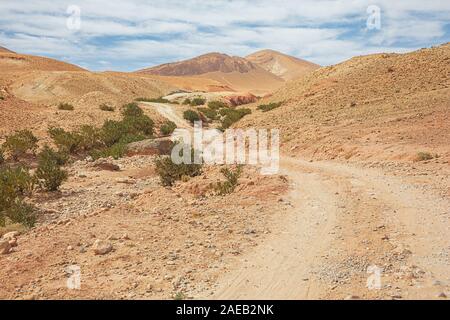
(169, 112)
(345, 223)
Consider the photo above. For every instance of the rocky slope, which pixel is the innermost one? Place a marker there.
(384, 106)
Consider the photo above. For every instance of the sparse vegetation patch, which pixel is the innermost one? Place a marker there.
(191, 116)
(232, 181)
(209, 113)
(106, 107)
(170, 172)
(230, 116)
(424, 156)
(270, 106)
(15, 184)
(155, 100)
(197, 102)
(109, 140)
(217, 105)
(20, 143)
(65, 106)
(49, 172)
(168, 128)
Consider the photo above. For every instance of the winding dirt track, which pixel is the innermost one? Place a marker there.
(343, 220)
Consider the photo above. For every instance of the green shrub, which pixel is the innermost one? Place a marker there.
(129, 130)
(209, 113)
(20, 143)
(168, 128)
(170, 172)
(138, 125)
(132, 110)
(106, 107)
(216, 105)
(179, 296)
(49, 172)
(48, 154)
(424, 156)
(232, 115)
(15, 183)
(90, 137)
(65, 106)
(232, 181)
(191, 116)
(197, 102)
(270, 106)
(2, 157)
(187, 102)
(18, 179)
(112, 132)
(110, 139)
(155, 100)
(65, 141)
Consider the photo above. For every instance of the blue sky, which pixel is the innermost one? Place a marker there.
(133, 34)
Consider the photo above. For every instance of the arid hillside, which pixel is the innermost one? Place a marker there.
(211, 62)
(384, 106)
(32, 88)
(282, 65)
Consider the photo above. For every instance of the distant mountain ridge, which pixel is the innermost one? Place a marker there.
(260, 73)
(211, 62)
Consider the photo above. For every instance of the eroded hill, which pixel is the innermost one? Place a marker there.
(384, 106)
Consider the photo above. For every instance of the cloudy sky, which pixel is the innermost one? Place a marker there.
(133, 34)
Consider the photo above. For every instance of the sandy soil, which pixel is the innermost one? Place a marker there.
(345, 219)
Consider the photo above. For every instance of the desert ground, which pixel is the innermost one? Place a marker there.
(364, 183)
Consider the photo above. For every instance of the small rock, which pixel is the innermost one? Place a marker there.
(352, 297)
(107, 166)
(102, 247)
(5, 247)
(442, 295)
(70, 248)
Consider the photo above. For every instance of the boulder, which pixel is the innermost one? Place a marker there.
(11, 235)
(237, 100)
(102, 247)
